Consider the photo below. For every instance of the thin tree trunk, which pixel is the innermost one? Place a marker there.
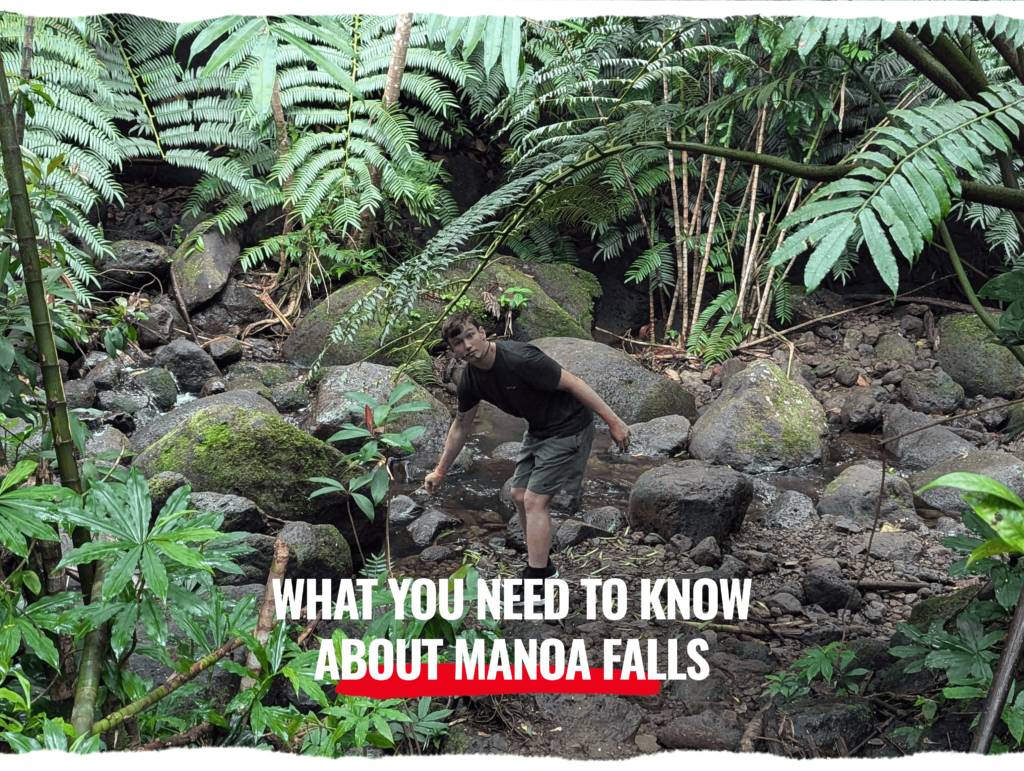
(681, 267)
(749, 255)
(26, 71)
(42, 328)
(392, 91)
(707, 246)
(83, 714)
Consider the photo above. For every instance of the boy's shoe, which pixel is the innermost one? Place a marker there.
(528, 573)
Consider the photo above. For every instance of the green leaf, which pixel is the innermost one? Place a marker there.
(829, 250)
(474, 31)
(364, 505)
(153, 619)
(153, 572)
(217, 29)
(510, 51)
(140, 505)
(54, 737)
(976, 483)
(263, 77)
(120, 573)
(181, 554)
(492, 41)
(318, 57)
(404, 389)
(30, 581)
(379, 484)
(1006, 287)
(454, 32)
(990, 548)
(238, 40)
(37, 642)
(880, 250)
(123, 628)
(19, 473)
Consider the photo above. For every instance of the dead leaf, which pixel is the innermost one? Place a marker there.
(888, 527)
(862, 381)
(479, 145)
(672, 374)
(492, 304)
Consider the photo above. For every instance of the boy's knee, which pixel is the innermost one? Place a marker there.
(519, 494)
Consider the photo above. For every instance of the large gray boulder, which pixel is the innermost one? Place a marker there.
(762, 421)
(999, 466)
(314, 551)
(925, 448)
(234, 307)
(931, 391)
(659, 438)
(133, 264)
(331, 409)
(968, 352)
(895, 347)
(633, 393)
(854, 495)
(692, 499)
(202, 274)
(159, 427)
(190, 364)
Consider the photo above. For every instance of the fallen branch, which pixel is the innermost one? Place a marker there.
(948, 418)
(268, 611)
(174, 682)
(183, 739)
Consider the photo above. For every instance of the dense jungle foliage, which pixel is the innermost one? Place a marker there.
(735, 162)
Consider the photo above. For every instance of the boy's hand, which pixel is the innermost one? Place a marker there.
(432, 481)
(620, 433)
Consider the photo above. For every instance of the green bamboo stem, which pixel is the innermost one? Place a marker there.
(91, 667)
(42, 328)
(972, 298)
(114, 719)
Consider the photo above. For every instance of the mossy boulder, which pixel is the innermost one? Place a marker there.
(931, 391)
(331, 409)
(310, 335)
(229, 449)
(164, 424)
(574, 290)
(894, 346)
(201, 275)
(969, 354)
(1000, 466)
(268, 373)
(762, 421)
(634, 394)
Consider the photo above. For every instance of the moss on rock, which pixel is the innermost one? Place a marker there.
(969, 354)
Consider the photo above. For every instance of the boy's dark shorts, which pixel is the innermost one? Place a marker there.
(548, 466)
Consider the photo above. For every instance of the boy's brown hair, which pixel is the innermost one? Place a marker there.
(455, 324)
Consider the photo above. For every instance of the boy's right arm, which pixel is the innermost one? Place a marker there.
(458, 435)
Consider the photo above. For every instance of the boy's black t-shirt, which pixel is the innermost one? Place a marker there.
(522, 382)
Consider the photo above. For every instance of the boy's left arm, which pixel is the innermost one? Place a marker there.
(619, 430)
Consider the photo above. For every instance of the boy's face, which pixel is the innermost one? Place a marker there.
(470, 343)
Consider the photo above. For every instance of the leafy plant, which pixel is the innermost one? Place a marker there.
(828, 663)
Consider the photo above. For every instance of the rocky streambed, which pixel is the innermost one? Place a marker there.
(767, 467)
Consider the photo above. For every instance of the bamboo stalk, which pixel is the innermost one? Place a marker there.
(114, 719)
(676, 230)
(707, 245)
(91, 667)
(42, 327)
(26, 72)
(268, 611)
(749, 254)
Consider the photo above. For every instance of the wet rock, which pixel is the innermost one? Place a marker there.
(846, 375)
(852, 339)
(925, 448)
(190, 364)
(160, 385)
(588, 719)
(429, 525)
(216, 385)
(861, 411)
(226, 350)
(129, 402)
(606, 518)
(912, 327)
(892, 377)
(706, 552)
(792, 511)
(314, 551)
(659, 438)
(690, 498)
(996, 465)
(853, 494)
(970, 357)
(290, 397)
(266, 373)
(240, 514)
(994, 418)
(436, 553)
(105, 376)
(706, 731)
(826, 369)
(161, 486)
(331, 409)
(827, 719)
(159, 327)
(110, 444)
(233, 309)
(762, 421)
(201, 275)
(931, 391)
(635, 394)
(895, 547)
(787, 604)
(132, 265)
(573, 532)
(507, 451)
(164, 424)
(895, 347)
(79, 394)
(403, 509)
(732, 367)
(765, 492)
(826, 587)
